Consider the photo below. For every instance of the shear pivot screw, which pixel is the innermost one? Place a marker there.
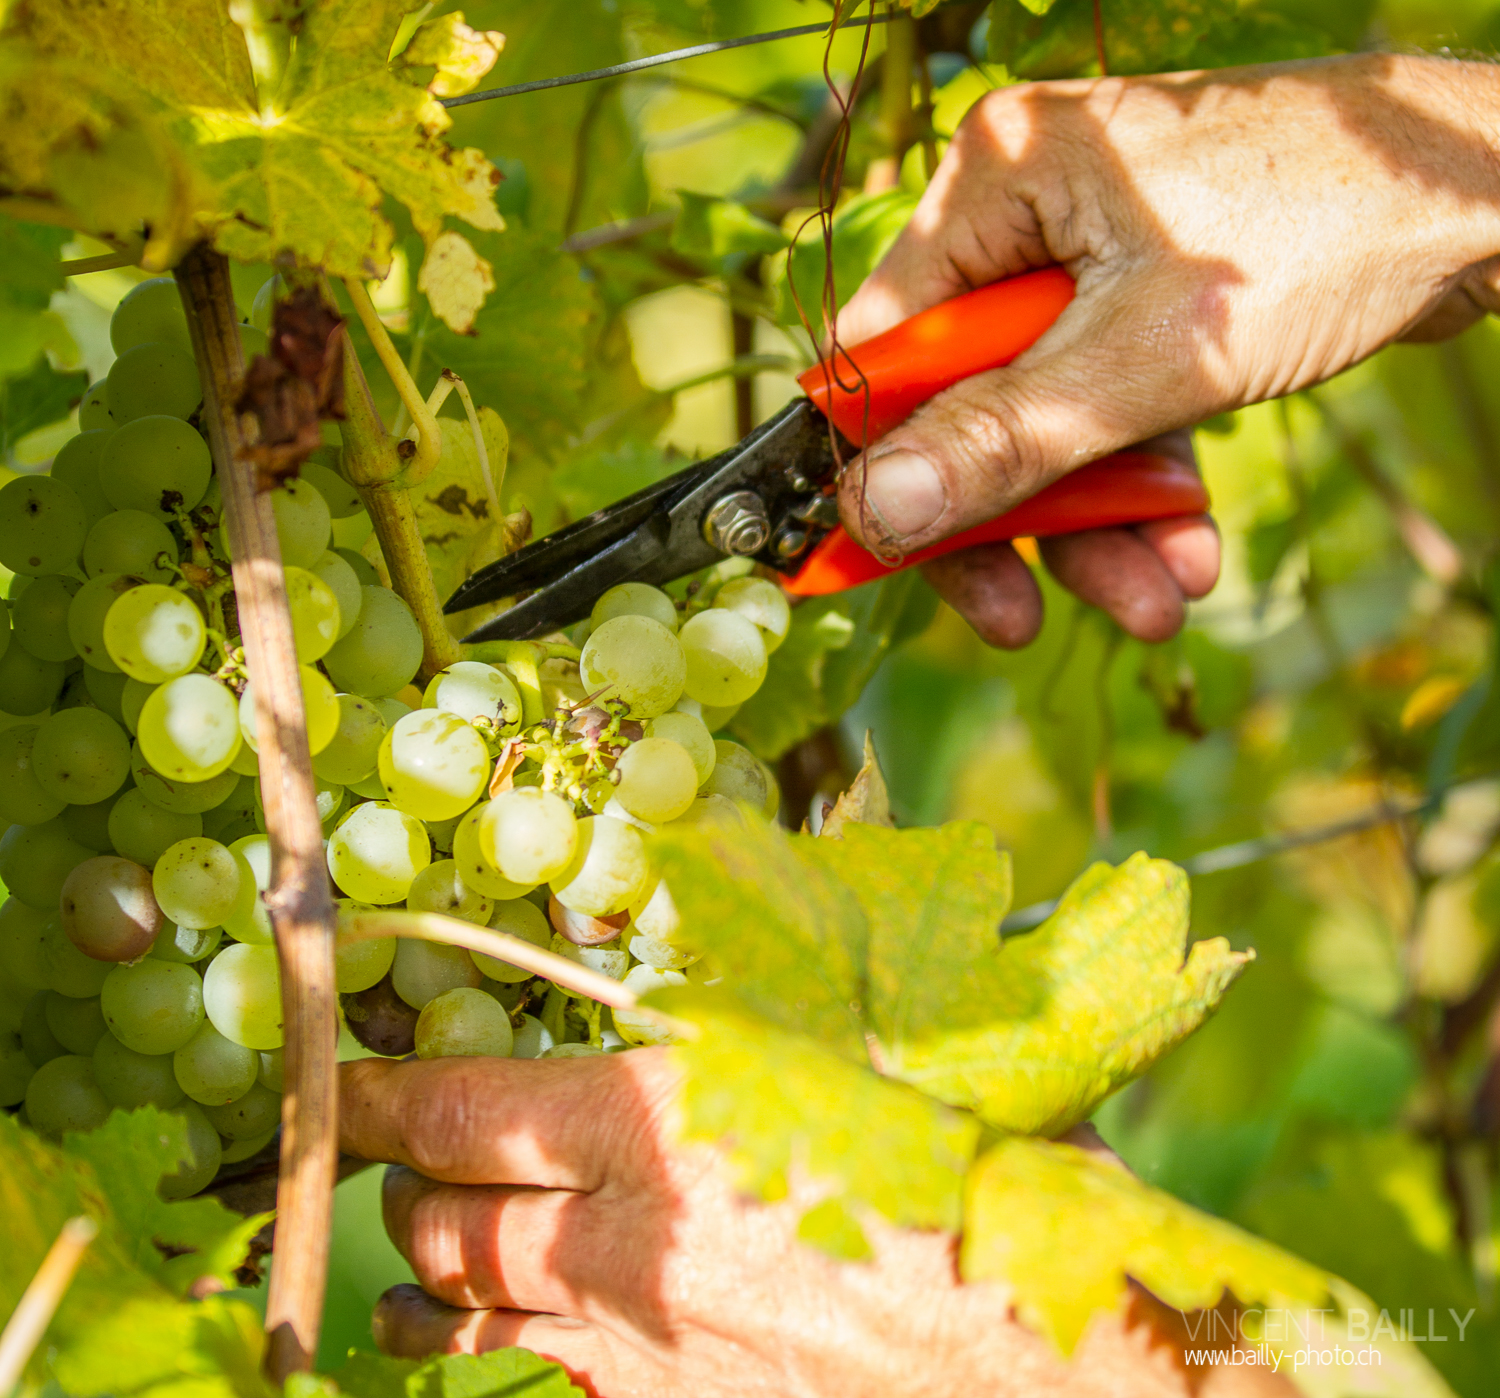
(737, 523)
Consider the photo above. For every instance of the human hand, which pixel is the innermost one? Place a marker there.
(547, 1204)
(1235, 236)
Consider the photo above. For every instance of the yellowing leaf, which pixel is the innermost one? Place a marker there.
(866, 801)
(455, 279)
(1065, 1228)
(452, 506)
(462, 56)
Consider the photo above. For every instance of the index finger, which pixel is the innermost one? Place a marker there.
(554, 1123)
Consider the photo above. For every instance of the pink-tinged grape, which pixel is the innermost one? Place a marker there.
(189, 728)
(28, 686)
(433, 765)
(129, 1079)
(635, 599)
(249, 1117)
(521, 918)
(86, 613)
(760, 601)
(320, 711)
(609, 868)
(36, 859)
(581, 929)
(150, 378)
(340, 579)
(39, 617)
(529, 835)
(438, 889)
(77, 1025)
(691, 733)
(463, 1023)
(63, 1095)
(383, 649)
(197, 883)
(656, 779)
(154, 1006)
(316, 623)
(741, 776)
(726, 657)
(185, 798)
(108, 909)
(376, 852)
(424, 970)
(131, 543)
(473, 690)
(381, 1020)
(212, 1070)
(141, 830)
(635, 660)
(22, 798)
(156, 464)
(474, 868)
(77, 465)
(154, 633)
(354, 750)
(42, 526)
(204, 1154)
(242, 996)
(80, 756)
(150, 312)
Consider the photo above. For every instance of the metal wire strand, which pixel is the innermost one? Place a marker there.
(636, 65)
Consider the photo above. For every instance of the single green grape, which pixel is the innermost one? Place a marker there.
(381, 652)
(80, 756)
(424, 970)
(303, 524)
(21, 929)
(28, 686)
(320, 711)
(63, 1095)
(474, 690)
(726, 657)
(433, 764)
(760, 601)
(185, 798)
(132, 543)
(196, 882)
(691, 733)
(86, 613)
(474, 865)
(35, 860)
(107, 690)
(242, 995)
(189, 728)
(39, 618)
(359, 965)
(188, 945)
(93, 410)
(656, 779)
(77, 465)
(516, 917)
(150, 311)
(741, 776)
(154, 633)
(316, 623)
(608, 870)
(204, 1154)
(157, 465)
(529, 835)
(23, 800)
(129, 1079)
(140, 830)
(439, 889)
(42, 525)
(635, 660)
(464, 1022)
(341, 498)
(635, 599)
(354, 750)
(151, 378)
(249, 1117)
(376, 851)
(154, 1006)
(333, 570)
(214, 1071)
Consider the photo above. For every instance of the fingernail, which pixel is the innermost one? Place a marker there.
(905, 494)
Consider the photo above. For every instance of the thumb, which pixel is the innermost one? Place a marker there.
(1108, 374)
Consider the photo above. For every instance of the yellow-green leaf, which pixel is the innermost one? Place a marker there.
(866, 801)
(462, 56)
(455, 279)
(1066, 1228)
(454, 512)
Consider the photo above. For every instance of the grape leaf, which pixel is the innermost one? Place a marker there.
(867, 800)
(29, 254)
(452, 506)
(37, 399)
(1069, 1256)
(501, 1373)
(715, 229)
(788, 1112)
(461, 55)
(882, 945)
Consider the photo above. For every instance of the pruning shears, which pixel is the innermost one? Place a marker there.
(772, 496)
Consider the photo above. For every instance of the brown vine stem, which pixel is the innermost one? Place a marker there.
(299, 900)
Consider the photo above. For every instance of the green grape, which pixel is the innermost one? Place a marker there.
(42, 526)
(38, 1042)
(77, 465)
(63, 1096)
(12, 1008)
(424, 970)
(315, 614)
(741, 776)
(129, 1079)
(242, 995)
(608, 869)
(75, 694)
(23, 801)
(657, 779)
(474, 868)
(381, 652)
(89, 825)
(390, 708)
(303, 524)
(253, 1145)
(529, 835)
(473, 690)
(157, 465)
(264, 305)
(532, 1038)
(250, 921)
(154, 633)
(690, 733)
(93, 411)
(187, 945)
(35, 860)
(5, 613)
(16, 1071)
(21, 929)
(204, 1154)
(196, 882)
(131, 543)
(273, 1063)
(340, 579)
(189, 728)
(341, 498)
(376, 851)
(212, 1070)
(726, 657)
(251, 1116)
(433, 764)
(246, 760)
(320, 710)
(463, 1023)
(107, 690)
(86, 613)
(185, 798)
(133, 696)
(438, 889)
(77, 1025)
(635, 660)
(39, 618)
(655, 917)
(635, 1026)
(441, 832)
(714, 717)
(108, 910)
(329, 798)
(140, 830)
(354, 750)
(149, 312)
(154, 1006)
(359, 965)
(760, 601)
(635, 599)
(236, 808)
(69, 971)
(517, 917)
(28, 686)
(362, 568)
(607, 961)
(80, 756)
(571, 1051)
(151, 378)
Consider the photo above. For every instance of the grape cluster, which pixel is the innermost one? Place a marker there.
(137, 959)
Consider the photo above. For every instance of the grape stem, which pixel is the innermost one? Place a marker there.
(299, 899)
(43, 1294)
(523, 659)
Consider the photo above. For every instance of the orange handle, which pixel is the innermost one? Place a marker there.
(914, 361)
